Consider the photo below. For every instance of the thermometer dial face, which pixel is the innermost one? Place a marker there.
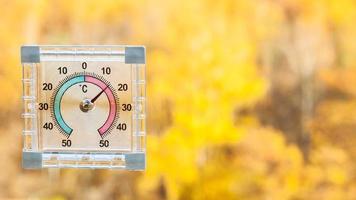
(66, 97)
(88, 106)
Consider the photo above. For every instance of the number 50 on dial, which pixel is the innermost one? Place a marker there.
(84, 106)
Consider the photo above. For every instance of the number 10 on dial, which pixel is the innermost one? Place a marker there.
(84, 106)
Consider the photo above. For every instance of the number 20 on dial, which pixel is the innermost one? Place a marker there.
(84, 107)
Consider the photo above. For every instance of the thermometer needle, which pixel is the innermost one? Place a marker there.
(98, 95)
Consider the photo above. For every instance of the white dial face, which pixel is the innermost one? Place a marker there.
(85, 105)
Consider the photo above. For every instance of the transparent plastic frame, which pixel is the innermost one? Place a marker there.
(33, 59)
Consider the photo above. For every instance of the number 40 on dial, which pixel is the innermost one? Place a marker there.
(84, 107)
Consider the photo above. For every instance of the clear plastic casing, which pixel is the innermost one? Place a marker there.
(84, 107)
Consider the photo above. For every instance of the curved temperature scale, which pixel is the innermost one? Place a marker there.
(89, 79)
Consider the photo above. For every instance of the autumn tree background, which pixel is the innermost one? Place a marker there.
(247, 99)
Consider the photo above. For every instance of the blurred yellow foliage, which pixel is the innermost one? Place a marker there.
(204, 68)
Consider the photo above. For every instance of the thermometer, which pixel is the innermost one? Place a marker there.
(84, 107)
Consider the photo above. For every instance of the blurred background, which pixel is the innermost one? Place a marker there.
(247, 99)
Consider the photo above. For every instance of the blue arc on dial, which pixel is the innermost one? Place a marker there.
(57, 102)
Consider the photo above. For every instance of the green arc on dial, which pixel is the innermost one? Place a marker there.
(57, 102)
